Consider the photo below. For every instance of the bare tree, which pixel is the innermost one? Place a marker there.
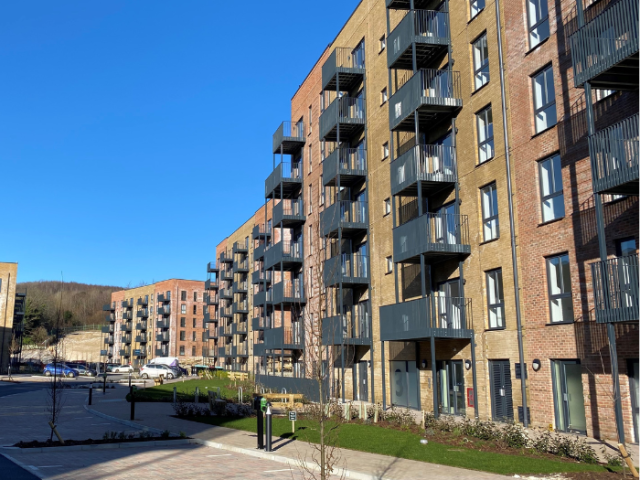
(39, 335)
(14, 348)
(55, 392)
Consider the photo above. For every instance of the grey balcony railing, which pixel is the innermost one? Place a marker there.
(141, 326)
(125, 352)
(127, 315)
(259, 323)
(211, 299)
(347, 269)
(288, 137)
(209, 317)
(352, 327)
(162, 337)
(283, 337)
(109, 307)
(126, 327)
(108, 329)
(284, 251)
(210, 284)
(226, 293)
(350, 68)
(239, 328)
(431, 234)
(143, 301)
(212, 267)
(240, 307)
(258, 252)
(415, 319)
(110, 317)
(285, 172)
(260, 276)
(614, 157)
(142, 313)
(127, 303)
(261, 230)
(348, 112)
(288, 211)
(435, 165)
(126, 339)
(349, 163)
(241, 266)
(240, 349)
(240, 287)
(240, 247)
(140, 352)
(428, 29)
(106, 353)
(615, 289)
(604, 43)
(142, 338)
(437, 92)
(109, 340)
(227, 274)
(211, 334)
(226, 257)
(164, 297)
(225, 311)
(162, 352)
(164, 311)
(288, 291)
(350, 216)
(163, 324)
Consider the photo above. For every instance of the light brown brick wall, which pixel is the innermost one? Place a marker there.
(8, 277)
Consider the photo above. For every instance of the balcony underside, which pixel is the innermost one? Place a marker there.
(436, 253)
(285, 189)
(338, 336)
(289, 145)
(349, 128)
(429, 187)
(428, 49)
(431, 111)
(348, 78)
(347, 178)
(289, 221)
(405, 4)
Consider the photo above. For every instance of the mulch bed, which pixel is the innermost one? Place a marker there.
(90, 441)
(598, 475)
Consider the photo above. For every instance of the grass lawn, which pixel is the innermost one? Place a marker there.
(396, 443)
(186, 390)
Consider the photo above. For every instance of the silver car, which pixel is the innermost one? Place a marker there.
(155, 371)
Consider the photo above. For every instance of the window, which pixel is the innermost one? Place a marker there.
(195, 309)
(183, 322)
(387, 206)
(389, 261)
(182, 335)
(476, 7)
(491, 226)
(385, 150)
(322, 193)
(383, 42)
(485, 135)
(310, 240)
(193, 351)
(310, 198)
(383, 96)
(559, 283)
(481, 61)
(544, 100)
(495, 298)
(551, 193)
(310, 281)
(310, 160)
(321, 102)
(194, 323)
(310, 119)
(195, 296)
(323, 154)
(538, 14)
(193, 336)
(183, 295)
(183, 308)
(300, 127)
(182, 350)
(601, 93)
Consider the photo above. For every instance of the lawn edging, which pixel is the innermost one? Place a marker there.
(100, 446)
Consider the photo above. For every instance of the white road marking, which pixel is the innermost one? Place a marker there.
(221, 455)
(282, 470)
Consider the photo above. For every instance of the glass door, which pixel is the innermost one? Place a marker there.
(449, 305)
(635, 393)
(445, 220)
(451, 387)
(568, 396)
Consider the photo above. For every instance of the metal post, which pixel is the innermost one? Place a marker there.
(269, 430)
(473, 373)
(175, 395)
(104, 384)
(133, 403)
(260, 419)
(90, 394)
(611, 333)
(434, 376)
(384, 383)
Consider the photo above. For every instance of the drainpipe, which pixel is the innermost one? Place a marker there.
(512, 228)
(6, 308)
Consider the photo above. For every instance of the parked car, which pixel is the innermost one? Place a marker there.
(111, 366)
(60, 369)
(155, 370)
(82, 370)
(123, 369)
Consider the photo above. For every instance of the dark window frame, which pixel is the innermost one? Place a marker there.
(555, 296)
(484, 62)
(489, 139)
(500, 293)
(495, 215)
(555, 194)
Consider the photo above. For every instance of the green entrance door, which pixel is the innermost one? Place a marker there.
(568, 396)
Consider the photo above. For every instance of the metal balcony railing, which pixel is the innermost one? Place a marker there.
(127, 303)
(162, 352)
(241, 266)
(259, 276)
(226, 293)
(110, 317)
(125, 352)
(126, 339)
(211, 299)
(288, 291)
(614, 157)
(164, 311)
(142, 313)
(348, 112)
(346, 214)
(435, 165)
(345, 268)
(164, 297)
(142, 338)
(615, 289)
(286, 173)
(349, 163)
(109, 307)
(348, 66)
(427, 29)
(143, 301)
(108, 329)
(239, 328)
(352, 327)
(212, 267)
(288, 138)
(162, 337)
(240, 247)
(285, 251)
(240, 307)
(141, 326)
(603, 44)
(260, 231)
(211, 284)
(109, 340)
(283, 337)
(126, 327)
(163, 324)
(288, 212)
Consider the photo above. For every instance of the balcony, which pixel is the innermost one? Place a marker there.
(163, 324)
(209, 317)
(351, 328)
(140, 353)
(261, 231)
(260, 276)
(106, 353)
(258, 252)
(615, 289)
(432, 95)
(109, 307)
(212, 267)
(240, 247)
(344, 114)
(288, 292)
(289, 213)
(241, 266)
(284, 181)
(286, 338)
(240, 350)
(162, 352)
(142, 338)
(239, 328)
(225, 312)
(289, 138)
(225, 257)
(109, 340)
(261, 298)
(428, 30)
(434, 166)
(225, 331)
(211, 284)
(405, 4)
(604, 52)
(162, 337)
(240, 307)
(349, 163)
(110, 317)
(126, 327)
(226, 294)
(351, 217)
(141, 326)
(127, 303)
(342, 71)
(348, 269)
(211, 299)
(227, 274)
(213, 352)
(164, 297)
(142, 313)
(414, 320)
(258, 349)
(143, 301)
(614, 158)
(164, 311)
(127, 315)
(259, 323)
(108, 329)
(125, 352)
(285, 255)
(211, 334)
(437, 236)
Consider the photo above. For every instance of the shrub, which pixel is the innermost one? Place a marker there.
(165, 434)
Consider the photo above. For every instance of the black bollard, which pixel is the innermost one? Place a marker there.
(257, 405)
(133, 403)
(90, 393)
(268, 442)
(104, 384)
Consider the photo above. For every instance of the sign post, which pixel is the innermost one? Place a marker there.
(268, 443)
(293, 416)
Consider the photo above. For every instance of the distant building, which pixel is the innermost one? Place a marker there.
(12, 305)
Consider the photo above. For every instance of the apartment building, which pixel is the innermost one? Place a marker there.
(426, 246)
(164, 319)
(12, 305)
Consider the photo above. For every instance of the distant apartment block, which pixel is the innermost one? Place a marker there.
(12, 306)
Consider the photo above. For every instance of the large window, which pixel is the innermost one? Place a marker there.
(183, 308)
(538, 14)
(551, 193)
(559, 284)
(476, 7)
(481, 61)
(544, 100)
(485, 134)
(495, 298)
(490, 223)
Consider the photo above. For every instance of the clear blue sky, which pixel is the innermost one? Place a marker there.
(135, 135)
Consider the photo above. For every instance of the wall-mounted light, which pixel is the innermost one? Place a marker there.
(536, 365)
(467, 364)
(424, 364)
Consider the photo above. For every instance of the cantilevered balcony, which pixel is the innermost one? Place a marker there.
(164, 297)
(227, 274)
(614, 158)
(164, 311)
(615, 289)
(212, 267)
(262, 297)
(406, 5)
(163, 324)
(241, 266)
(260, 276)
(127, 303)
(162, 337)
(240, 307)
(348, 269)
(342, 71)
(239, 328)
(349, 163)
(126, 339)
(142, 313)
(414, 320)
(258, 252)
(438, 237)
(605, 50)
(140, 353)
(225, 312)
(433, 95)
(284, 181)
(240, 350)
(351, 217)
(226, 257)
(240, 247)
(287, 338)
(109, 340)
(127, 315)
(289, 138)
(142, 338)
(162, 352)
(434, 166)
(285, 253)
(211, 284)
(211, 298)
(225, 331)
(226, 293)
(126, 327)
(428, 30)
(211, 334)
(240, 287)
(261, 231)
(109, 307)
(346, 113)
(125, 352)
(106, 353)
(260, 323)
(289, 212)
(108, 329)
(142, 326)
(288, 292)
(351, 328)
(143, 301)
(110, 317)
(258, 349)
(209, 316)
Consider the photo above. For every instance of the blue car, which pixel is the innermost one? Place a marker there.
(60, 369)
